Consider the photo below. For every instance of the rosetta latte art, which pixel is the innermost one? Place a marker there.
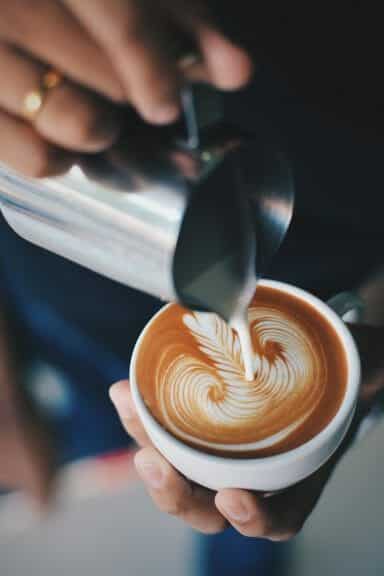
(206, 400)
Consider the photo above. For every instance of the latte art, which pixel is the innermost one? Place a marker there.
(199, 390)
(197, 399)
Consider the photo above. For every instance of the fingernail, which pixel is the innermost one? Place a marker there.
(121, 402)
(165, 114)
(236, 511)
(151, 474)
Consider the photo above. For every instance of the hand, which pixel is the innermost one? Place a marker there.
(278, 517)
(110, 52)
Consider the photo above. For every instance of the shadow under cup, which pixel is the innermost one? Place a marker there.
(268, 473)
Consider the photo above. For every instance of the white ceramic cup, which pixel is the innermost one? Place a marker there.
(273, 472)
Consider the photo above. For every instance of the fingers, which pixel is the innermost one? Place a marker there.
(170, 492)
(120, 48)
(78, 120)
(278, 517)
(223, 63)
(250, 515)
(71, 117)
(137, 37)
(130, 34)
(174, 495)
(49, 31)
(122, 400)
(228, 66)
(24, 150)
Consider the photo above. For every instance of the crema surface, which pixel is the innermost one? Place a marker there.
(191, 375)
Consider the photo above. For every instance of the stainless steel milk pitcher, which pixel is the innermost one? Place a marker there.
(191, 218)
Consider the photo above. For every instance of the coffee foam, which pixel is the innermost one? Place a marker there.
(201, 395)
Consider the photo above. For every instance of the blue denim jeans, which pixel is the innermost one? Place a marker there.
(231, 554)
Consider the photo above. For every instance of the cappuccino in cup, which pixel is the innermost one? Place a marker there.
(190, 385)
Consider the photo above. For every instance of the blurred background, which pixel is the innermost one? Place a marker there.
(104, 527)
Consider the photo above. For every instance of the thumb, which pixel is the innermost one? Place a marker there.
(121, 398)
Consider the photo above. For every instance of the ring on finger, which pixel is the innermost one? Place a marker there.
(34, 100)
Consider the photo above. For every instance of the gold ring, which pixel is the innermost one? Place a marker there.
(34, 100)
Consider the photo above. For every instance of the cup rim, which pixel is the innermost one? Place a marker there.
(345, 410)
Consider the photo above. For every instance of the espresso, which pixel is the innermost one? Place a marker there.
(191, 375)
